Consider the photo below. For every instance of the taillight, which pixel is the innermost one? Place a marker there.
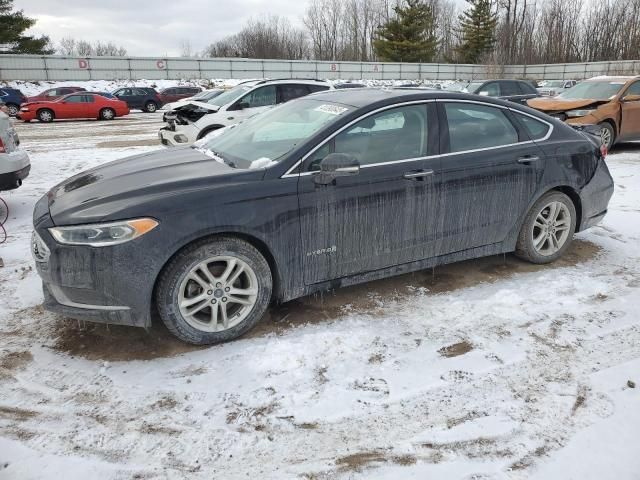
(603, 150)
(2, 149)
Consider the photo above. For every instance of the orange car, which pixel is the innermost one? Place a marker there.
(613, 103)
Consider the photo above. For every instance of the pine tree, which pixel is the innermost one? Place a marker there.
(477, 31)
(12, 27)
(409, 37)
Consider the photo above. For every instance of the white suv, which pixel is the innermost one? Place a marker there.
(14, 163)
(194, 120)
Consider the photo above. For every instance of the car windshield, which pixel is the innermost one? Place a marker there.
(601, 90)
(264, 139)
(473, 87)
(206, 95)
(229, 96)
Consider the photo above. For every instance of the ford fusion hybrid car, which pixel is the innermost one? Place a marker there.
(328, 190)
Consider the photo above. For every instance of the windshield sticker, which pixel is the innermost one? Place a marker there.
(331, 109)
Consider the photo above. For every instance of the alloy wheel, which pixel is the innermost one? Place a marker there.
(13, 110)
(218, 293)
(605, 135)
(551, 228)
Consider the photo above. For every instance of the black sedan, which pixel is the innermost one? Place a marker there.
(329, 190)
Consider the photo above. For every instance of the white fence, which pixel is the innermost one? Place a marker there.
(53, 67)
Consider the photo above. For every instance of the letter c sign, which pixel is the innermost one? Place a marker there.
(160, 64)
(82, 63)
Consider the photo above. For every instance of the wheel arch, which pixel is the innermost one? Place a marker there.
(208, 129)
(568, 190)
(252, 240)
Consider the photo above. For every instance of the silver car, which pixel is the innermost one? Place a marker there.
(551, 88)
(14, 162)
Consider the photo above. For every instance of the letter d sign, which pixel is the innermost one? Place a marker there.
(82, 63)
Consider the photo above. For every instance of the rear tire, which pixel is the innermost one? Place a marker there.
(214, 290)
(45, 115)
(548, 229)
(608, 135)
(107, 114)
(150, 107)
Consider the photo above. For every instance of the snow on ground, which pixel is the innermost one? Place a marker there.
(487, 369)
(33, 88)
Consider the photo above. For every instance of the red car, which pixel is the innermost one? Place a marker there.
(76, 105)
(173, 94)
(54, 93)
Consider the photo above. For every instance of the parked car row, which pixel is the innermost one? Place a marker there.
(54, 103)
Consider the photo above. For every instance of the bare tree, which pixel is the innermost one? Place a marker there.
(67, 46)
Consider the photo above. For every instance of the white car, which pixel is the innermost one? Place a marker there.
(204, 96)
(14, 162)
(551, 88)
(195, 120)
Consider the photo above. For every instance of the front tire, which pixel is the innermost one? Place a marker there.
(150, 107)
(214, 290)
(548, 229)
(45, 115)
(608, 135)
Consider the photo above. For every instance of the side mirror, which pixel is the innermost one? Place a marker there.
(337, 165)
(631, 98)
(241, 105)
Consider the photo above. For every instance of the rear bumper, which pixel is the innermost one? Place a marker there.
(595, 197)
(14, 167)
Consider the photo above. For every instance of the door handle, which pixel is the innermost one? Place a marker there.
(528, 159)
(418, 174)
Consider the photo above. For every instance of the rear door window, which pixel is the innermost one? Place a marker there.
(536, 129)
(74, 99)
(260, 97)
(508, 89)
(527, 88)
(290, 92)
(473, 126)
(317, 88)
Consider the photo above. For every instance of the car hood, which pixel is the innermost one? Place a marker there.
(111, 191)
(558, 104)
(191, 105)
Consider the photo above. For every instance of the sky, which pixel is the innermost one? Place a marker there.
(152, 28)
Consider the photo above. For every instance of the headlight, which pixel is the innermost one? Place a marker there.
(103, 234)
(580, 113)
(24, 109)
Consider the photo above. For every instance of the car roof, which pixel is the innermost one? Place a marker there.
(362, 97)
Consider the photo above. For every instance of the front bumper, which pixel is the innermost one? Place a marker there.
(595, 197)
(106, 285)
(185, 135)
